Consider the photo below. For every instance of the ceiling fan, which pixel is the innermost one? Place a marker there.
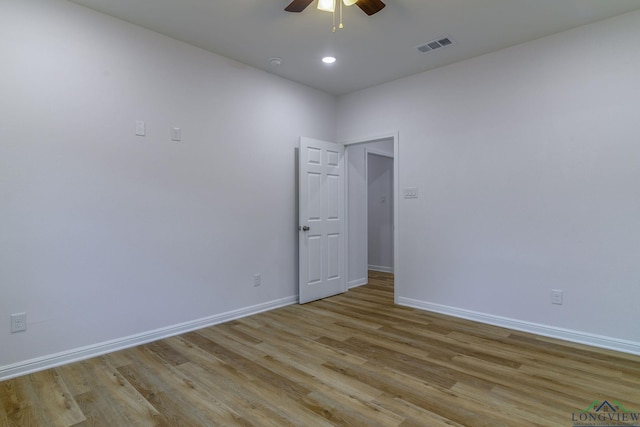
(369, 7)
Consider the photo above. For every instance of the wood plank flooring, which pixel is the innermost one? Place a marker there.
(353, 359)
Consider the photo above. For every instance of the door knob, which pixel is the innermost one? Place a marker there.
(305, 228)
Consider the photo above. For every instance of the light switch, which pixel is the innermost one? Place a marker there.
(411, 192)
(140, 128)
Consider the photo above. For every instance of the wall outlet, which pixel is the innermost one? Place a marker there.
(257, 280)
(176, 134)
(140, 128)
(18, 322)
(556, 296)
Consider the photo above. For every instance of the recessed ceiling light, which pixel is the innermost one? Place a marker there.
(328, 59)
(275, 62)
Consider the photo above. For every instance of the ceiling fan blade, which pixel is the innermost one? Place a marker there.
(298, 5)
(370, 7)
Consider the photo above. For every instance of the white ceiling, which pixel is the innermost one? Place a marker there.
(370, 50)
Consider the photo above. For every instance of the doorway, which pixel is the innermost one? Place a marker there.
(379, 171)
(357, 230)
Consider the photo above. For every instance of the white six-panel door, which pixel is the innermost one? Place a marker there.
(321, 221)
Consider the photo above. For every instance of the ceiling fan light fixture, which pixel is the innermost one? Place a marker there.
(370, 7)
(327, 5)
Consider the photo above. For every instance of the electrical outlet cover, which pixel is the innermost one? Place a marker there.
(556, 296)
(18, 322)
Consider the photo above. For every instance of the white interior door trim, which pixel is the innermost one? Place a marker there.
(377, 152)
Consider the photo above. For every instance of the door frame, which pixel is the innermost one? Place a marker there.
(395, 137)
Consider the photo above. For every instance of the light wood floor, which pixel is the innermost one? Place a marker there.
(354, 359)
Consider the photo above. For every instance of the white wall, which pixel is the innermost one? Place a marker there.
(106, 235)
(527, 162)
(380, 212)
(357, 273)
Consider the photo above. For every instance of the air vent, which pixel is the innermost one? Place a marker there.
(435, 44)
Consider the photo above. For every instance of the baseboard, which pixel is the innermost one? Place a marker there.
(381, 268)
(82, 353)
(357, 282)
(600, 341)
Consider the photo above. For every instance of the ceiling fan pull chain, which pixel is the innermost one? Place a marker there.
(334, 16)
